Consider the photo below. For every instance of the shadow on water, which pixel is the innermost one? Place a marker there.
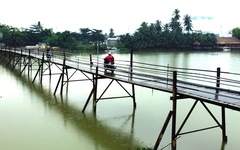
(102, 134)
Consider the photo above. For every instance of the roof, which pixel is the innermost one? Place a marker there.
(228, 40)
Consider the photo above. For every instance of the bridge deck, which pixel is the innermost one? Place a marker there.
(191, 83)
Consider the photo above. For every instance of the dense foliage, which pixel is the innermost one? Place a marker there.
(236, 32)
(170, 35)
(177, 34)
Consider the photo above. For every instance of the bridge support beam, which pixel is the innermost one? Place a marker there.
(95, 83)
(163, 130)
(224, 125)
(174, 110)
(133, 96)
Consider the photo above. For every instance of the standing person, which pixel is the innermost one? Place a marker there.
(48, 53)
(109, 59)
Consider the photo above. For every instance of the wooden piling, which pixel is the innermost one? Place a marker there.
(174, 110)
(133, 96)
(63, 68)
(224, 136)
(41, 69)
(29, 62)
(95, 83)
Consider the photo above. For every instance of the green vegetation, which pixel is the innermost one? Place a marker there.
(172, 35)
(236, 32)
(169, 36)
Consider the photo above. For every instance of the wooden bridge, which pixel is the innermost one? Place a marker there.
(205, 86)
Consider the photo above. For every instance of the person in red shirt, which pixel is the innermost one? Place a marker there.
(109, 59)
(109, 63)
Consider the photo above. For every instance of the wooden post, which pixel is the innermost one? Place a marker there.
(174, 110)
(20, 65)
(131, 64)
(91, 63)
(57, 84)
(85, 106)
(50, 71)
(224, 136)
(167, 73)
(41, 70)
(29, 62)
(63, 68)
(95, 82)
(218, 80)
(163, 130)
(133, 96)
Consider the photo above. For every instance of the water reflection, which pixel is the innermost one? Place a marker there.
(102, 135)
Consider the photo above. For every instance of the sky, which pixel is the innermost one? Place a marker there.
(123, 16)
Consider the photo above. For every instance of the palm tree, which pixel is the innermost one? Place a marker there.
(175, 24)
(37, 28)
(158, 26)
(141, 36)
(111, 34)
(176, 15)
(236, 32)
(187, 23)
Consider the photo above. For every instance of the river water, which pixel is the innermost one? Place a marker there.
(31, 117)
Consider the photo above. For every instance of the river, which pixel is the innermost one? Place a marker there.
(31, 117)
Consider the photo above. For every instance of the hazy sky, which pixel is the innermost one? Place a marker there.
(124, 16)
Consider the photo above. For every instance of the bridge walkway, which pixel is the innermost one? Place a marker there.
(211, 86)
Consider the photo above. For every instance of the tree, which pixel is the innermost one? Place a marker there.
(67, 41)
(18, 38)
(127, 41)
(111, 34)
(187, 23)
(37, 28)
(142, 36)
(96, 35)
(236, 32)
(175, 24)
(158, 26)
(84, 35)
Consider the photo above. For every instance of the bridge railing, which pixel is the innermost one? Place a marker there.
(156, 74)
(210, 78)
(159, 74)
(146, 72)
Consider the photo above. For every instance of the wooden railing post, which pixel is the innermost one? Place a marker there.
(131, 64)
(218, 80)
(91, 62)
(218, 77)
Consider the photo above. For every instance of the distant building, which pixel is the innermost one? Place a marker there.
(40, 46)
(112, 42)
(228, 41)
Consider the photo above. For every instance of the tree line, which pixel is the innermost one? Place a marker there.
(172, 35)
(15, 37)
